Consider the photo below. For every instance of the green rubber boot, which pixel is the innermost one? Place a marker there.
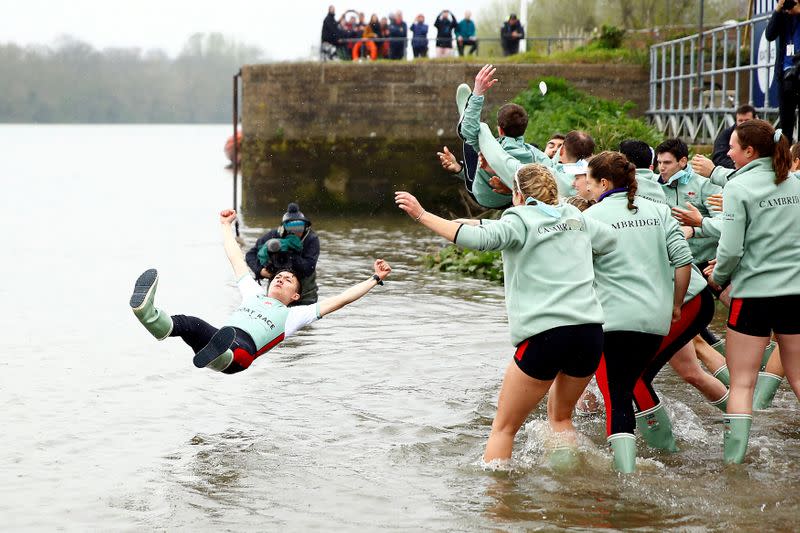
(723, 375)
(623, 445)
(766, 387)
(737, 432)
(463, 92)
(156, 321)
(656, 429)
(722, 403)
(563, 458)
(767, 354)
(720, 347)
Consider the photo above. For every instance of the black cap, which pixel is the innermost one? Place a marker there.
(293, 213)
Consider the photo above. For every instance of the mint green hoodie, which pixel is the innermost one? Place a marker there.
(648, 186)
(694, 189)
(759, 250)
(635, 281)
(547, 265)
(516, 147)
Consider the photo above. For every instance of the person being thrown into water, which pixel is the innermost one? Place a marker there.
(261, 321)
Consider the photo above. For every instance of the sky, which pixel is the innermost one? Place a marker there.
(285, 30)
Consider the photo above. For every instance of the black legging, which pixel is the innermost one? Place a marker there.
(197, 333)
(696, 314)
(625, 356)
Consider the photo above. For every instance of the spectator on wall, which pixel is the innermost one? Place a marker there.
(384, 33)
(445, 26)
(419, 37)
(398, 30)
(510, 35)
(330, 35)
(465, 34)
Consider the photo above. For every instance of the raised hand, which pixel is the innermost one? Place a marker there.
(449, 161)
(227, 216)
(484, 80)
(702, 165)
(382, 268)
(408, 203)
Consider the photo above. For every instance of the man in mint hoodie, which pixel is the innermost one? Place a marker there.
(577, 147)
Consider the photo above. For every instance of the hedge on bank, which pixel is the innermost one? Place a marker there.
(562, 109)
(565, 108)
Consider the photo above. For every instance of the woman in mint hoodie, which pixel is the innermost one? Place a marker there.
(555, 319)
(759, 253)
(635, 286)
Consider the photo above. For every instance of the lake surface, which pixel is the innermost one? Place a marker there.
(374, 418)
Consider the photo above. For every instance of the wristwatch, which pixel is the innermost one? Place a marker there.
(378, 279)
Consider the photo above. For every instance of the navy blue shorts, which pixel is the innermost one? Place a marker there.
(573, 350)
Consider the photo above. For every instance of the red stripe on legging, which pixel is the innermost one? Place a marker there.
(736, 308)
(641, 394)
(274, 342)
(242, 357)
(602, 382)
(689, 311)
(521, 350)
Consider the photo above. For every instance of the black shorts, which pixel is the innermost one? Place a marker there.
(759, 317)
(573, 350)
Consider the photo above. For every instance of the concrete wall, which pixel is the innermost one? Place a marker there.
(343, 136)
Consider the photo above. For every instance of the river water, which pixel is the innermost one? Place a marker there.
(374, 418)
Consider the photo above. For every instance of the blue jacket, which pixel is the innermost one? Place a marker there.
(419, 30)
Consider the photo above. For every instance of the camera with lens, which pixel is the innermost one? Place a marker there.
(789, 4)
(791, 76)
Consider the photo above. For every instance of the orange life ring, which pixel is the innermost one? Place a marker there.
(372, 49)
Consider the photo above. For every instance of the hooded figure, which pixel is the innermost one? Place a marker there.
(291, 246)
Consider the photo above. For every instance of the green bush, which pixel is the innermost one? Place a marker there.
(478, 264)
(610, 37)
(564, 108)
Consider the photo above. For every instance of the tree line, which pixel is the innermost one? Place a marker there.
(72, 82)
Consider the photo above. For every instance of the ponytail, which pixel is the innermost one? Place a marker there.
(632, 186)
(782, 160)
(616, 168)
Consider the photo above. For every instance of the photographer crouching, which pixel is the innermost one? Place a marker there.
(784, 25)
(291, 246)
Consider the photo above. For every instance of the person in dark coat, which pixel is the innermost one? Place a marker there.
(722, 142)
(330, 34)
(445, 26)
(397, 28)
(784, 26)
(510, 35)
(291, 246)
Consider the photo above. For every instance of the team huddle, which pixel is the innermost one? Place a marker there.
(611, 272)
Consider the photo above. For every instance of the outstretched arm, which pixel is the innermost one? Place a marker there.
(446, 228)
(232, 249)
(329, 305)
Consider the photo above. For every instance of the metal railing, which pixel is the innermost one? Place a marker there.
(697, 82)
(546, 44)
